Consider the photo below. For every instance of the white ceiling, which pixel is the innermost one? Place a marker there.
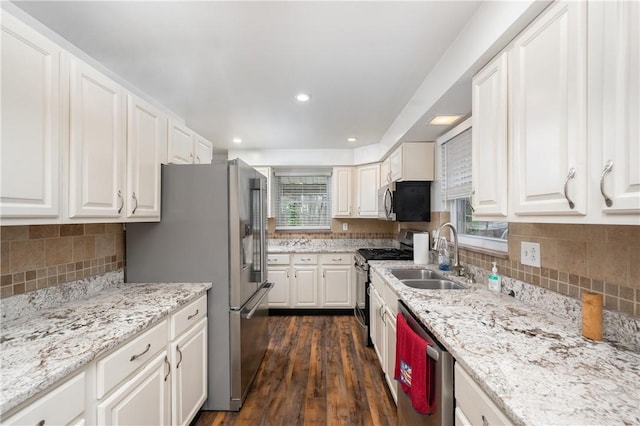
(232, 69)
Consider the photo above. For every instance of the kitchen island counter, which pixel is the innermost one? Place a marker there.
(536, 366)
(39, 349)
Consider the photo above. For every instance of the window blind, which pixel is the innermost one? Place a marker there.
(302, 202)
(456, 166)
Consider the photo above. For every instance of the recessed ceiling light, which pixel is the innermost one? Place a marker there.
(303, 97)
(237, 140)
(444, 120)
(351, 139)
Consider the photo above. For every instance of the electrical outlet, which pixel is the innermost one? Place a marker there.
(345, 226)
(530, 254)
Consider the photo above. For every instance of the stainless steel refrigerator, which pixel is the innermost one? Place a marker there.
(213, 229)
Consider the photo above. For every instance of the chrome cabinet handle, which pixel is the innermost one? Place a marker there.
(607, 168)
(133, 196)
(166, 361)
(134, 357)
(198, 159)
(121, 201)
(358, 209)
(337, 260)
(180, 352)
(473, 191)
(485, 422)
(191, 156)
(40, 423)
(191, 316)
(324, 274)
(571, 175)
(287, 273)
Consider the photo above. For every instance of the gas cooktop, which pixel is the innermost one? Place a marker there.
(385, 254)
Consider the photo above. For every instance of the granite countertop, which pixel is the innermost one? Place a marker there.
(39, 349)
(535, 366)
(342, 245)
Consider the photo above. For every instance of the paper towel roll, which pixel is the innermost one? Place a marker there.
(421, 248)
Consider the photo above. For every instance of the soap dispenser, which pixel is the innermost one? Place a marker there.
(494, 279)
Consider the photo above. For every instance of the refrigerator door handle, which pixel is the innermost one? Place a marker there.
(265, 289)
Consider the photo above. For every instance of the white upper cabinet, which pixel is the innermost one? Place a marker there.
(412, 161)
(368, 178)
(547, 111)
(146, 137)
(30, 144)
(489, 139)
(342, 197)
(615, 117)
(203, 150)
(96, 144)
(181, 146)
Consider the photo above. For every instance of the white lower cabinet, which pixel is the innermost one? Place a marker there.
(189, 384)
(337, 280)
(382, 316)
(158, 377)
(143, 400)
(63, 405)
(311, 280)
(279, 274)
(473, 405)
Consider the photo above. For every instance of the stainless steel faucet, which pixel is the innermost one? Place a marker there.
(457, 268)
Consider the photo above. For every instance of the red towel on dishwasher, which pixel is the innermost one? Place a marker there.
(413, 367)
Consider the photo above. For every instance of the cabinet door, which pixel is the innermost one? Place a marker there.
(204, 151)
(489, 139)
(96, 144)
(390, 352)
(620, 143)
(279, 294)
(385, 173)
(342, 191)
(30, 160)
(143, 400)
(395, 164)
(547, 72)
(189, 383)
(146, 135)
(376, 306)
(180, 144)
(336, 287)
(305, 287)
(368, 178)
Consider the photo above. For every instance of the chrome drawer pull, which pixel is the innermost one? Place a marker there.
(180, 352)
(166, 361)
(40, 423)
(134, 357)
(607, 168)
(121, 201)
(133, 195)
(191, 316)
(337, 260)
(571, 175)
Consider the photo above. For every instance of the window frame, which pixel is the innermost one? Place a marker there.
(467, 240)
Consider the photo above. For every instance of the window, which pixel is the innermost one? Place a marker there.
(302, 202)
(457, 187)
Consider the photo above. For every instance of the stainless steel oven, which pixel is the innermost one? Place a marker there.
(442, 373)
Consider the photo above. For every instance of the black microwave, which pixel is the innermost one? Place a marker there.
(406, 201)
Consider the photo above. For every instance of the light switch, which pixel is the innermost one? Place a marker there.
(345, 226)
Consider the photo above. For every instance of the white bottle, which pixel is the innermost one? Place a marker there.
(494, 279)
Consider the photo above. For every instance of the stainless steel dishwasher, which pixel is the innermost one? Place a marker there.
(442, 373)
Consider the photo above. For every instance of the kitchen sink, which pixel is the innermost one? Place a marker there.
(433, 284)
(416, 274)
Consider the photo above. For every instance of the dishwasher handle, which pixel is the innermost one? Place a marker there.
(432, 353)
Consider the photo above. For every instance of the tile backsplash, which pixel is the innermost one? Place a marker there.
(39, 256)
(575, 258)
(358, 229)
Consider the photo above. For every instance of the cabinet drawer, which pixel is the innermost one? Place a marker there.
(61, 406)
(476, 405)
(116, 366)
(188, 316)
(277, 259)
(305, 259)
(336, 259)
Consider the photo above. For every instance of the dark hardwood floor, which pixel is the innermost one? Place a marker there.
(316, 372)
